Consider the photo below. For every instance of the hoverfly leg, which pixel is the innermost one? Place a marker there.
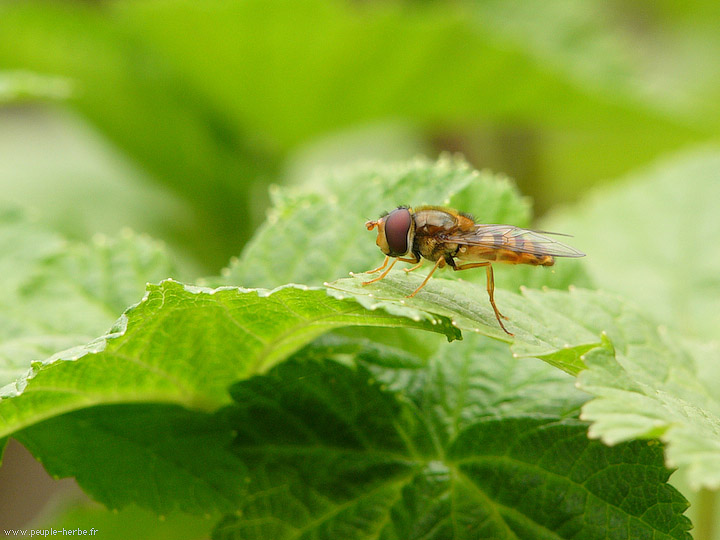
(418, 265)
(491, 294)
(490, 289)
(439, 262)
(385, 273)
(383, 265)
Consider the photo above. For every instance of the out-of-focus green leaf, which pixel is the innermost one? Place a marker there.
(212, 129)
(424, 76)
(24, 86)
(652, 237)
(131, 522)
(58, 294)
(656, 57)
(146, 105)
(568, 79)
(76, 182)
(643, 52)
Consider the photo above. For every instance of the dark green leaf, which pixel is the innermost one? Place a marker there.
(333, 455)
(161, 457)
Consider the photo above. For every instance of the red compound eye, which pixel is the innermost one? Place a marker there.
(397, 226)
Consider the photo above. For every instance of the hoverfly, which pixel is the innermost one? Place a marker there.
(446, 236)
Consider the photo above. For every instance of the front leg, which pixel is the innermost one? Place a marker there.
(385, 273)
(387, 259)
(383, 265)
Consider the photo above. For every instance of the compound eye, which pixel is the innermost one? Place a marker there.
(397, 226)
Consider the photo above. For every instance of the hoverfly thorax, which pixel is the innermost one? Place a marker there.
(396, 232)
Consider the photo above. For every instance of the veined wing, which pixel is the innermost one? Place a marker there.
(513, 239)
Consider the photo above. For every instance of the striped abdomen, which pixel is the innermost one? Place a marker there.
(503, 255)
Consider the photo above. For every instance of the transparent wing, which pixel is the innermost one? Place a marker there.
(513, 239)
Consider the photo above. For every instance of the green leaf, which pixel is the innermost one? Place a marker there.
(58, 294)
(567, 79)
(185, 345)
(77, 183)
(492, 382)
(648, 237)
(431, 78)
(647, 391)
(331, 454)
(647, 382)
(131, 522)
(568, 76)
(413, 442)
(557, 326)
(317, 234)
(161, 457)
(159, 118)
(480, 378)
(587, 42)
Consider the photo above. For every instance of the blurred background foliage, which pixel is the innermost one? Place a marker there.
(173, 117)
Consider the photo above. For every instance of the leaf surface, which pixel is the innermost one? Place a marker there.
(556, 326)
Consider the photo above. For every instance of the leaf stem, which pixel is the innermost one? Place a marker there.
(706, 515)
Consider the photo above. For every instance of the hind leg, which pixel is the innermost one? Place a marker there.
(490, 289)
